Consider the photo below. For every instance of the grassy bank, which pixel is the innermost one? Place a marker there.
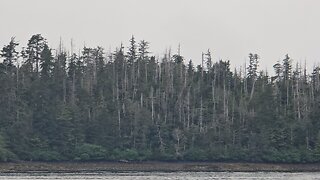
(152, 166)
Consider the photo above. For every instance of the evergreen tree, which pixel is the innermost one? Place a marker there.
(134, 106)
(9, 53)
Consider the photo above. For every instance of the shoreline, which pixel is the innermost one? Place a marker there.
(152, 166)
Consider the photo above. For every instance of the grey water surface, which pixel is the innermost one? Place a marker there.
(162, 175)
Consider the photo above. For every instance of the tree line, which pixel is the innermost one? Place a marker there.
(59, 105)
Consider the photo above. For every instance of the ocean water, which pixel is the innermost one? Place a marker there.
(161, 175)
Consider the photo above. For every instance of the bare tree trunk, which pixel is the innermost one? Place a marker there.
(214, 104)
(114, 89)
(188, 109)
(202, 66)
(146, 71)
(225, 102)
(201, 116)
(125, 78)
(73, 88)
(141, 100)
(252, 89)
(298, 96)
(152, 104)
(17, 93)
(89, 114)
(180, 111)
(119, 122)
(287, 96)
(245, 84)
(64, 90)
(118, 107)
(307, 139)
(162, 144)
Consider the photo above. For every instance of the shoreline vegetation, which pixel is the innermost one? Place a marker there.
(59, 105)
(152, 166)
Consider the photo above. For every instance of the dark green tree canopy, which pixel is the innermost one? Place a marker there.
(132, 105)
(9, 53)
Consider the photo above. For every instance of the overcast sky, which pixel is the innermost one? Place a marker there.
(230, 28)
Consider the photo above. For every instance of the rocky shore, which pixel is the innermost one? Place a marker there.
(21, 167)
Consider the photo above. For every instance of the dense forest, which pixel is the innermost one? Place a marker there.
(57, 105)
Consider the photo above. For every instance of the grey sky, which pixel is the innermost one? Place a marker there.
(230, 28)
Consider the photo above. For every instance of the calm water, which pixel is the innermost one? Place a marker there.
(159, 175)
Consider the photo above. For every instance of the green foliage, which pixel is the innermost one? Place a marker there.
(195, 154)
(131, 106)
(317, 148)
(127, 154)
(87, 152)
(5, 154)
(46, 155)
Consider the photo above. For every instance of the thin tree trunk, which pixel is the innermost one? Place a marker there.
(201, 116)
(152, 105)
